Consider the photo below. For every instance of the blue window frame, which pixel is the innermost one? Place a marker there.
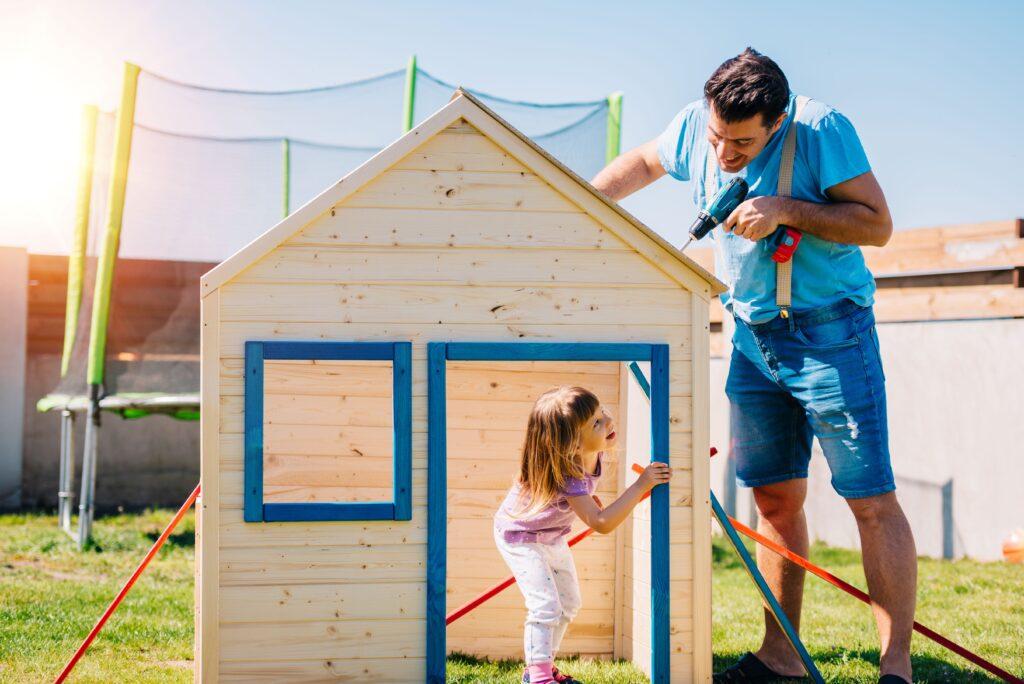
(400, 355)
(438, 354)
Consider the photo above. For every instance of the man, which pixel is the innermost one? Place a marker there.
(801, 369)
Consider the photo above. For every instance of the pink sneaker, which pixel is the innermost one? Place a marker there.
(559, 677)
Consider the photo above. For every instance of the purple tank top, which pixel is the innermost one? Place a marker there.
(549, 524)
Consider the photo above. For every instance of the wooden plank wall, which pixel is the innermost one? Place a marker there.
(636, 595)
(488, 405)
(955, 272)
(634, 605)
(327, 431)
(458, 241)
(307, 600)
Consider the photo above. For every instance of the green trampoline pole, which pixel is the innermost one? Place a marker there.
(613, 139)
(112, 234)
(101, 294)
(76, 260)
(409, 107)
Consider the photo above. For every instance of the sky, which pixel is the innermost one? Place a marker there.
(934, 89)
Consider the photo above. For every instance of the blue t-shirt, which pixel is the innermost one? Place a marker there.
(828, 152)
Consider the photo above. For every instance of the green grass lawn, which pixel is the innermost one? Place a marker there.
(978, 605)
(51, 595)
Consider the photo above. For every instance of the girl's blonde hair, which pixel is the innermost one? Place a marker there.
(551, 449)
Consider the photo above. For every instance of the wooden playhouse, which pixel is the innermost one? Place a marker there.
(368, 365)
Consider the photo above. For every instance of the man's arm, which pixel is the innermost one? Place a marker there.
(630, 172)
(857, 215)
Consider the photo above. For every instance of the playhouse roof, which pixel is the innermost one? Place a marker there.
(464, 105)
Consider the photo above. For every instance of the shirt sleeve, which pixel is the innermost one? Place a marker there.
(575, 486)
(584, 486)
(835, 151)
(675, 144)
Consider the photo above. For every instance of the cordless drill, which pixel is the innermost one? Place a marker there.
(783, 242)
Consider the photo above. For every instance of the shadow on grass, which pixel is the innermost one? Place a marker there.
(140, 542)
(466, 669)
(832, 662)
(137, 532)
(185, 539)
(508, 665)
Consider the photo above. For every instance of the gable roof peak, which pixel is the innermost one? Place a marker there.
(465, 105)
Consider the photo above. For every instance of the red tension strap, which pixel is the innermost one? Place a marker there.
(862, 596)
(127, 587)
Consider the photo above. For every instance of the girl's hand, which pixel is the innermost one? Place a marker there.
(604, 520)
(655, 474)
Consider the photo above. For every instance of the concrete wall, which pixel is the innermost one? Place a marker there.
(956, 420)
(13, 313)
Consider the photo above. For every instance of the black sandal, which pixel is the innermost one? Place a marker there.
(892, 679)
(750, 669)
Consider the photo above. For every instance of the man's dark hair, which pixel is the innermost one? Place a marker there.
(748, 84)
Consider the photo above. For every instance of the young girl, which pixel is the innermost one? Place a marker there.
(567, 432)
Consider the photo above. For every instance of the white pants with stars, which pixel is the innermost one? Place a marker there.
(546, 574)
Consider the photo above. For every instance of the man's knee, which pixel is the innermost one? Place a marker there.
(875, 511)
(782, 501)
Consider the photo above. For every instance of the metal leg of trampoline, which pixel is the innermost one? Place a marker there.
(65, 493)
(86, 502)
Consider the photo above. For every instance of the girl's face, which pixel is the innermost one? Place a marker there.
(599, 432)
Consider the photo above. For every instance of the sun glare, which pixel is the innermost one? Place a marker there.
(41, 158)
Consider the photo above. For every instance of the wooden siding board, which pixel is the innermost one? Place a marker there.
(320, 302)
(207, 643)
(700, 604)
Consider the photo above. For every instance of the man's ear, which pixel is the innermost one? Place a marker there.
(778, 123)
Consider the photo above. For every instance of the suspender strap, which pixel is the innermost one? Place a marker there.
(710, 164)
(784, 271)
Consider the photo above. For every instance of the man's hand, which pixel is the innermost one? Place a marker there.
(756, 218)
(856, 215)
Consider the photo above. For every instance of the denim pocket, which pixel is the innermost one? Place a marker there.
(839, 333)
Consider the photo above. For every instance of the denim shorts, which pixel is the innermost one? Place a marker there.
(815, 374)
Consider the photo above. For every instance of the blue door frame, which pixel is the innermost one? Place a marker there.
(438, 354)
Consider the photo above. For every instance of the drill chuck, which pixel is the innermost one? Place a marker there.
(702, 225)
(723, 204)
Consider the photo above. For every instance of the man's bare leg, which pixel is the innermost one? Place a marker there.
(781, 519)
(890, 565)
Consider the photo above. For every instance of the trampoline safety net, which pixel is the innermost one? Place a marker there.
(209, 170)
